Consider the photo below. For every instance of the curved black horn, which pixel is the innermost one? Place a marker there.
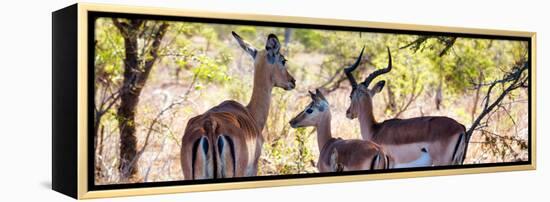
(351, 68)
(379, 72)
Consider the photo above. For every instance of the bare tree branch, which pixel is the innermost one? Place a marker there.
(157, 120)
(417, 44)
(510, 82)
(415, 93)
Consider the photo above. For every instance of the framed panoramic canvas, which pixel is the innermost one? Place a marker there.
(152, 100)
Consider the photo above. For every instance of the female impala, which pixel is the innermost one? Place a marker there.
(403, 138)
(226, 140)
(337, 154)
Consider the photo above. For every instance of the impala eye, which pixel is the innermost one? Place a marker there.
(309, 111)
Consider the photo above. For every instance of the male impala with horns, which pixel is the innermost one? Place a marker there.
(403, 139)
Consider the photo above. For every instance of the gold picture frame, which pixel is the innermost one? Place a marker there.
(79, 186)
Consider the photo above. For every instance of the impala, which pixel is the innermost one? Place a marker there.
(403, 138)
(226, 140)
(337, 154)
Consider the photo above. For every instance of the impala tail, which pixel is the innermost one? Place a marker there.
(212, 155)
(202, 163)
(226, 157)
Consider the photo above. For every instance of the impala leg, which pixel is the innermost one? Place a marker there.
(202, 164)
(225, 157)
(253, 171)
(442, 151)
(460, 149)
(254, 167)
(186, 161)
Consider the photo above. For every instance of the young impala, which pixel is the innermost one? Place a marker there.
(226, 140)
(402, 138)
(337, 154)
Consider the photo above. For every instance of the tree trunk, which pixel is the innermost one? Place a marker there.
(129, 98)
(391, 105)
(288, 33)
(135, 78)
(99, 152)
(439, 95)
(476, 98)
(128, 141)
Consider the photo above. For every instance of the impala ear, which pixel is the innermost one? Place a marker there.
(320, 100)
(245, 45)
(379, 86)
(320, 95)
(272, 46)
(312, 95)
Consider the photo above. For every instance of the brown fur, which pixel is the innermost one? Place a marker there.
(233, 130)
(352, 155)
(231, 119)
(403, 131)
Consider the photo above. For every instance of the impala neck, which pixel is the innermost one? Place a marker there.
(261, 97)
(367, 121)
(323, 130)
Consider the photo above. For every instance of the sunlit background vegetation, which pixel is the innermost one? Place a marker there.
(196, 66)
